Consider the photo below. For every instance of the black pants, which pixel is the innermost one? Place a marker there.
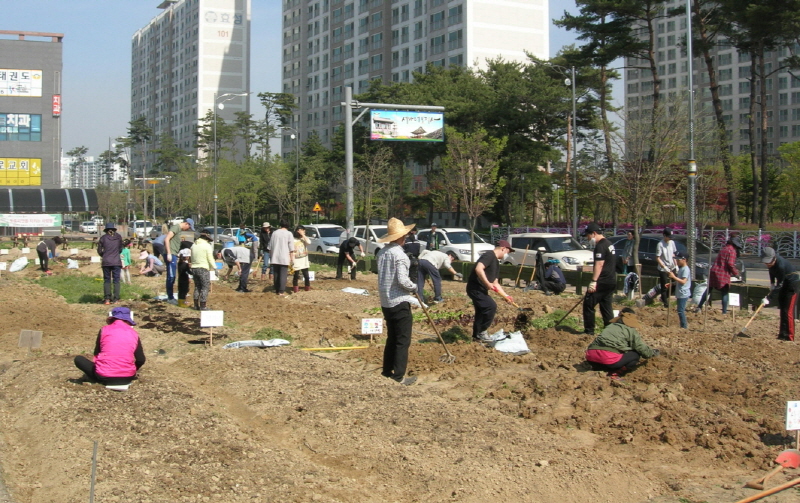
(787, 298)
(663, 280)
(183, 280)
(281, 275)
(243, 275)
(296, 277)
(425, 268)
(629, 360)
(87, 366)
(340, 265)
(43, 259)
(603, 296)
(485, 308)
(111, 273)
(553, 286)
(398, 325)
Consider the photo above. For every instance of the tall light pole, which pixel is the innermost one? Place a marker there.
(296, 136)
(691, 174)
(227, 96)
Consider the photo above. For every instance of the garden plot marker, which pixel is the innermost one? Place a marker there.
(30, 339)
(211, 319)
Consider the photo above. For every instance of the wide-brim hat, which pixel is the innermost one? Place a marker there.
(143, 255)
(628, 319)
(395, 230)
(111, 226)
(122, 313)
(266, 224)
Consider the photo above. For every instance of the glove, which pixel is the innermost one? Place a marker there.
(510, 299)
(592, 286)
(656, 353)
(765, 300)
(495, 288)
(459, 275)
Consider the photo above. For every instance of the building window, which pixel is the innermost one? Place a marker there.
(457, 60)
(20, 127)
(455, 15)
(437, 20)
(377, 62)
(455, 40)
(437, 45)
(418, 32)
(725, 59)
(418, 53)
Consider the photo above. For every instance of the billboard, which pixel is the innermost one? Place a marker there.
(20, 171)
(404, 125)
(21, 83)
(23, 220)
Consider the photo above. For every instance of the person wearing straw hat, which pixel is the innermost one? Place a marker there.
(784, 281)
(484, 277)
(118, 353)
(619, 347)
(110, 248)
(396, 291)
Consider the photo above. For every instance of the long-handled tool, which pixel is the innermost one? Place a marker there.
(521, 265)
(449, 357)
(789, 458)
(522, 309)
(770, 491)
(580, 301)
(741, 333)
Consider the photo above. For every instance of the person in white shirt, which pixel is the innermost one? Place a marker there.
(430, 261)
(665, 256)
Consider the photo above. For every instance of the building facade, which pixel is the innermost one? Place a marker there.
(734, 78)
(90, 172)
(332, 44)
(30, 109)
(184, 60)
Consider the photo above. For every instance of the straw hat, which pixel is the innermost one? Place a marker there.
(628, 319)
(395, 230)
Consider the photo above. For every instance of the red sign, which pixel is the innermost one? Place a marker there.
(56, 105)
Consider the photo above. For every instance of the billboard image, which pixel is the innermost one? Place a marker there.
(24, 83)
(17, 171)
(403, 125)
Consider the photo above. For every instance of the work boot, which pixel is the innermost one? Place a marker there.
(203, 306)
(181, 303)
(196, 305)
(307, 288)
(295, 289)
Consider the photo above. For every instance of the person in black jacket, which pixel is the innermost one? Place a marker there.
(109, 247)
(554, 280)
(785, 281)
(604, 279)
(44, 249)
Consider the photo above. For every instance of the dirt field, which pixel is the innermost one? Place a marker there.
(279, 424)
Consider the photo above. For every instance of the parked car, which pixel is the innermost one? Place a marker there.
(89, 227)
(98, 221)
(142, 227)
(563, 247)
(370, 244)
(456, 242)
(324, 237)
(176, 220)
(229, 233)
(647, 255)
(210, 230)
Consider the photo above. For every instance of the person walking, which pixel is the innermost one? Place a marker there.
(627, 253)
(430, 261)
(665, 257)
(118, 353)
(47, 249)
(395, 288)
(202, 265)
(604, 279)
(263, 245)
(484, 277)
(721, 272)
(347, 254)
(281, 248)
(172, 245)
(110, 247)
(619, 347)
(301, 264)
(683, 290)
(784, 280)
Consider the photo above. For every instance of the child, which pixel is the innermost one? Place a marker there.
(184, 272)
(300, 259)
(118, 352)
(125, 254)
(683, 288)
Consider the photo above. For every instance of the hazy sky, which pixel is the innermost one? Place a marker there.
(97, 55)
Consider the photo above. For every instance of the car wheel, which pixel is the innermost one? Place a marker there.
(319, 249)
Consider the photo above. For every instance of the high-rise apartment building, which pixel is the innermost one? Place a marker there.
(331, 44)
(184, 60)
(733, 75)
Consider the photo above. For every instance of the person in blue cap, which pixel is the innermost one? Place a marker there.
(172, 245)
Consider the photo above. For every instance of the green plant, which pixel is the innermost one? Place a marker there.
(80, 289)
(550, 320)
(439, 315)
(373, 310)
(267, 333)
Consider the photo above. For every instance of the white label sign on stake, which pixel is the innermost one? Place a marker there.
(733, 299)
(26, 250)
(371, 326)
(792, 416)
(310, 275)
(211, 318)
(4, 252)
(73, 251)
(3, 266)
(96, 260)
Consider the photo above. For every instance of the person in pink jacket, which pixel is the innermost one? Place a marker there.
(118, 352)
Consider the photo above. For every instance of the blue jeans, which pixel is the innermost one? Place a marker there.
(682, 311)
(172, 270)
(265, 262)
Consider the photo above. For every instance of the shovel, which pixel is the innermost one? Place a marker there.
(570, 311)
(741, 333)
(449, 357)
(790, 458)
(774, 490)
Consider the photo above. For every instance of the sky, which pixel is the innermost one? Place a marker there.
(97, 56)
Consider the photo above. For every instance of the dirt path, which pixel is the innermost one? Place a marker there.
(279, 424)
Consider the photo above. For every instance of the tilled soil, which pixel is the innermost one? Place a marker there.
(280, 424)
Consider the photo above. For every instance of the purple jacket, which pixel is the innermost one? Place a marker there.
(109, 247)
(118, 352)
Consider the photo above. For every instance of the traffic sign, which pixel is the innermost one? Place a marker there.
(317, 207)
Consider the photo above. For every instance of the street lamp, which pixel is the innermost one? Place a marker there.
(227, 96)
(296, 136)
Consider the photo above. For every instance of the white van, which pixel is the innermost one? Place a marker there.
(456, 242)
(324, 237)
(370, 241)
(142, 228)
(558, 246)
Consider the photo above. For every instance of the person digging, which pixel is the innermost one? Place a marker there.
(784, 282)
(619, 347)
(484, 277)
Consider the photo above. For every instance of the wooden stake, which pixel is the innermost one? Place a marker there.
(669, 296)
(94, 473)
(521, 265)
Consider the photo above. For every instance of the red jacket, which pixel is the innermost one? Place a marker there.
(118, 352)
(724, 267)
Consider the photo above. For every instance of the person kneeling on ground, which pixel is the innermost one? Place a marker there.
(619, 346)
(554, 280)
(118, 352)
(152, 266)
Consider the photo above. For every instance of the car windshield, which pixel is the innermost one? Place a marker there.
(561, 244)
(379, 231)
(462, 238)
(331, 232)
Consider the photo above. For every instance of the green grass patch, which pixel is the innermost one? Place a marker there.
(456, 334)
(550, 320)
(373, 311)
(80, 289)
(439, 315)
(268, 333)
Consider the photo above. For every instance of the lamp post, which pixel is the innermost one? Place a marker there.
(227, 96)
(296, 136)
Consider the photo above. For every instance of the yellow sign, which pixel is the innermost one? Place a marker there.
(317, 207)
(20, 171)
